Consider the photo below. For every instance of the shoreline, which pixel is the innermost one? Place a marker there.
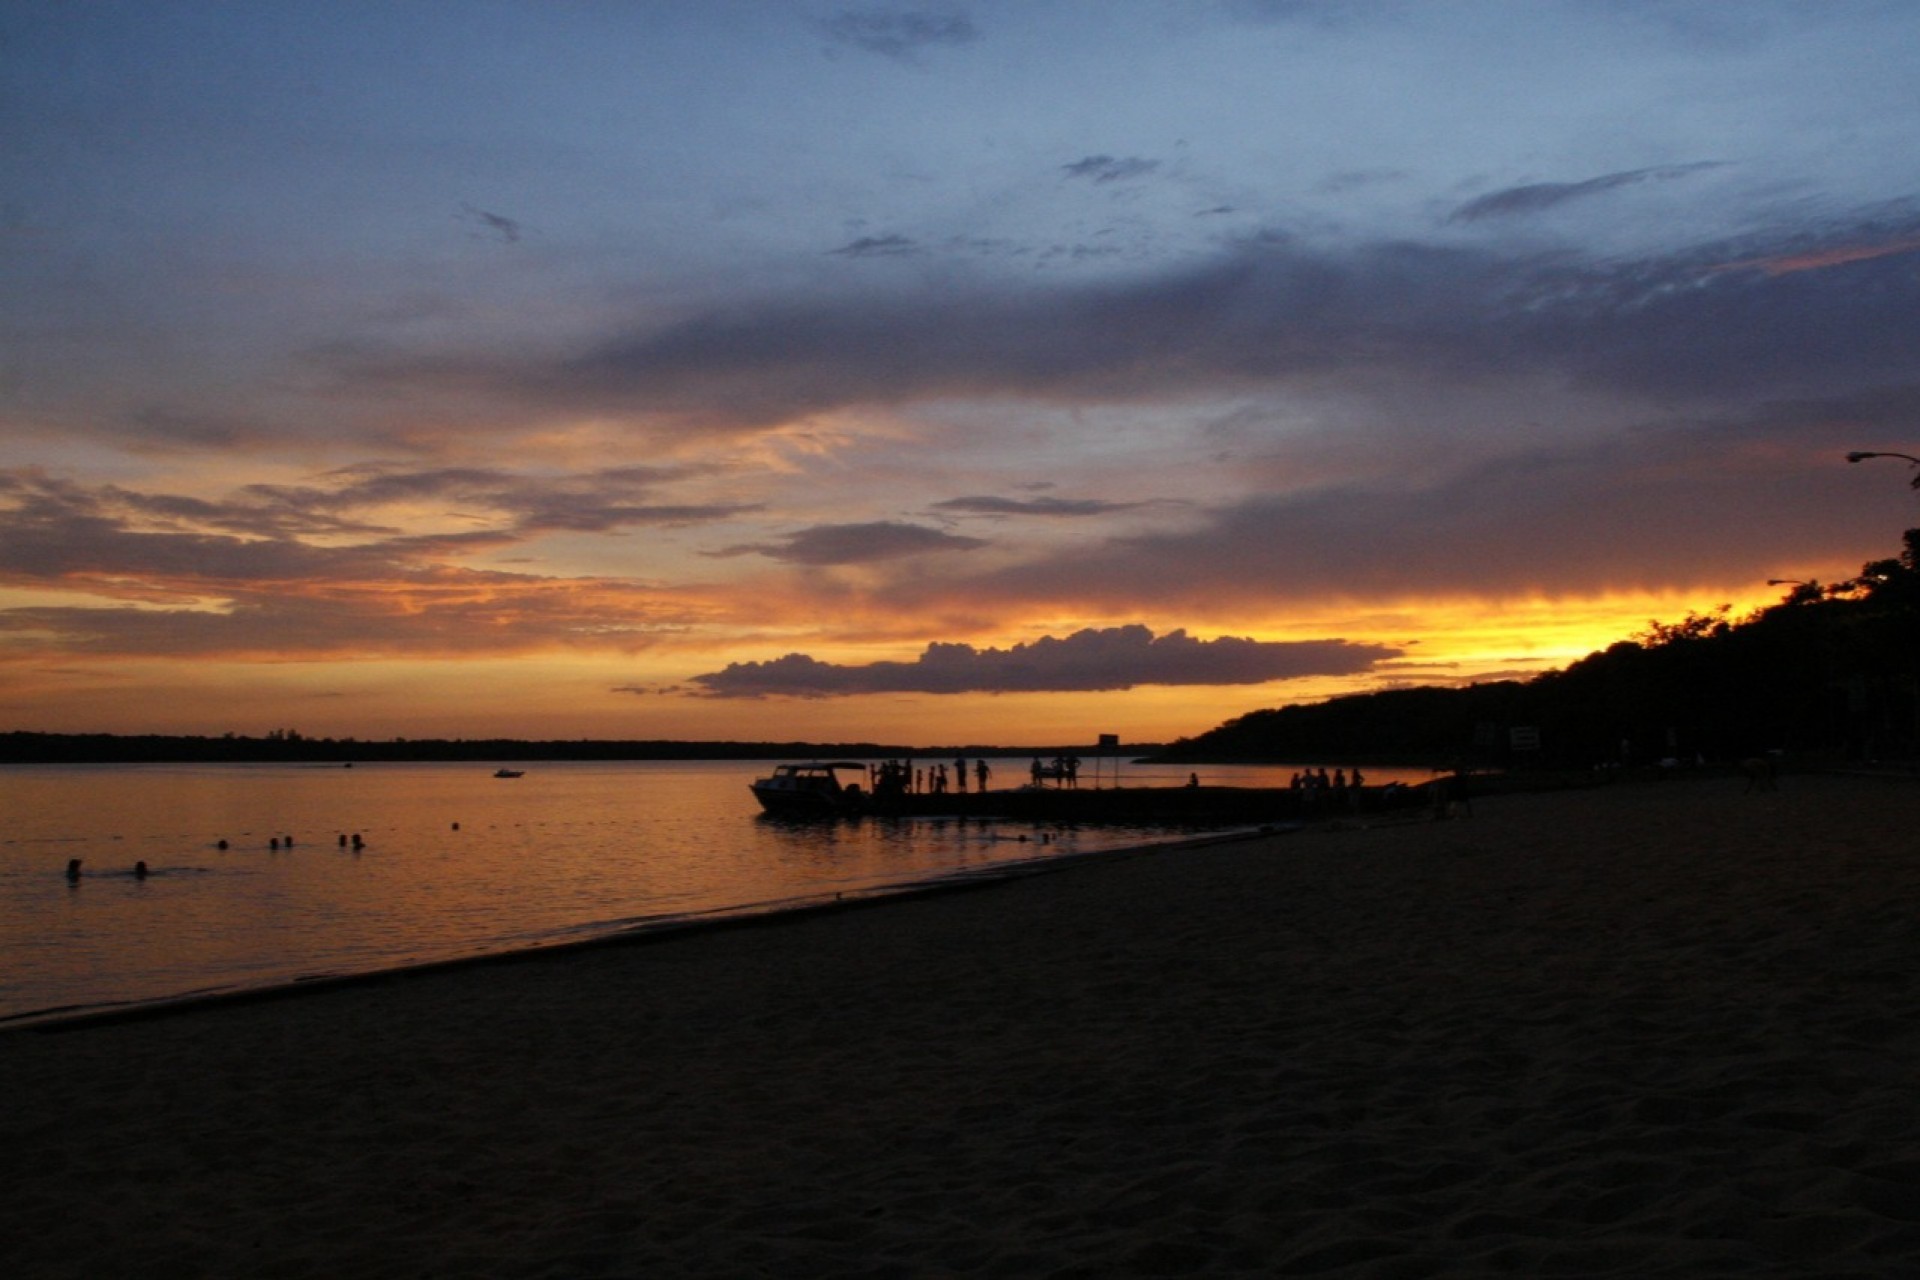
(667, 929)
(1652, 1030)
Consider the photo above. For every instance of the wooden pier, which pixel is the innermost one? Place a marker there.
(1199, 806)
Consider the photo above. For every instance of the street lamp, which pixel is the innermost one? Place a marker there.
(1860, 455)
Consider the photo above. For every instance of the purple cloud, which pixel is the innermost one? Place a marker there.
(1540, 196)
(1265, 314)
(1101, 169)
(899, 35)
(992, 506)
(1091, 660)
(876, 540)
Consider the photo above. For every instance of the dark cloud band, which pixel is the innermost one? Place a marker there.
(1091, 660)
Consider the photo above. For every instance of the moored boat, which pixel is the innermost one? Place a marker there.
(813, 788)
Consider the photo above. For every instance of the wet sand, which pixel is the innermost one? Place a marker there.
(1645, 1030)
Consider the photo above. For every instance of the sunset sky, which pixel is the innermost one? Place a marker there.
(997, 372)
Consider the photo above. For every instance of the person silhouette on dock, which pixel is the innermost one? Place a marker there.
(980, 775)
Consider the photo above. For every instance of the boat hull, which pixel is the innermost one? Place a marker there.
(795, 790)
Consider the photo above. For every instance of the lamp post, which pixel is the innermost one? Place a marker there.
(1861, 455)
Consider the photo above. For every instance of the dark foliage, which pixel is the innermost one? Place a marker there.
(1831, 670)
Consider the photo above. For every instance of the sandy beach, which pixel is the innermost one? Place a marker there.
(1642, 1030)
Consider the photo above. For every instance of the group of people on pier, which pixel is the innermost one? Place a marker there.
(1065, 771)
(906, 778)
(901, 777)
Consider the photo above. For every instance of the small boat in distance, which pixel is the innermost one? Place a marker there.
(508, 773)
(797, 789)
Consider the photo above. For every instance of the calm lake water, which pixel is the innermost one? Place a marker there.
(455, 863)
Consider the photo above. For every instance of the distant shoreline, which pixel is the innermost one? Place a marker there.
(22, 747)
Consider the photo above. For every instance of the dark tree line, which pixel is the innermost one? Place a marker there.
(1832, 670)
(289, 746)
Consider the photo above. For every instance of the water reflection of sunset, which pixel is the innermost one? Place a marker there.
(567, 852)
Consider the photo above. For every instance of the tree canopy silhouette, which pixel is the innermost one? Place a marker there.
(1830, 670)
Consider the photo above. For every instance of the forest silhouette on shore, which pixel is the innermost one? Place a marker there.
(1831, 672)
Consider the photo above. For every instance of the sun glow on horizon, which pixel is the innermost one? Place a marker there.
(469, 692)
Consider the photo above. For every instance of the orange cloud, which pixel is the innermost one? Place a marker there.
(1787, 264)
